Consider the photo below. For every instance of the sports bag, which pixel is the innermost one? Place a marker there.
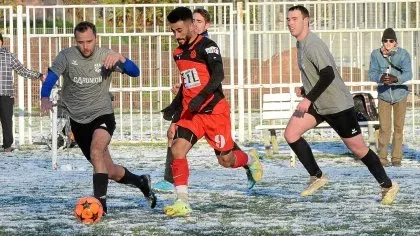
(365, 107)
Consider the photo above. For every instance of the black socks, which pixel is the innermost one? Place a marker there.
(131, 179)
(371, 160)
(306, 157)
(100, 186)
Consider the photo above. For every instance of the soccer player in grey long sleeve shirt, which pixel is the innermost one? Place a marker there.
(326, 99)
(8, 64)
(86, 71)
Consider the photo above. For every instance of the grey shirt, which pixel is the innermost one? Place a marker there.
(313, 56)
(85, 91)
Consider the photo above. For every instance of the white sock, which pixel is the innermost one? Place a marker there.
(182, 192)
(250, 160)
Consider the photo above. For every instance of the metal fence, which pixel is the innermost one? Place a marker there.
(259, 55)
(141, 33)
(351, 29)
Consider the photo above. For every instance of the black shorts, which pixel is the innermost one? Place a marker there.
(344, 122)
(83, 132)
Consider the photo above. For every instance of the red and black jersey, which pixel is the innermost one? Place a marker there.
(201, 68)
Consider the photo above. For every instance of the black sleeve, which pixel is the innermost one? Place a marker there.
(326, 77)
(215, 66)
(173, 111)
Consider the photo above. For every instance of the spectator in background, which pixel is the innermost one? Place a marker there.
(390, 67)
(201, 21)
(8, 64)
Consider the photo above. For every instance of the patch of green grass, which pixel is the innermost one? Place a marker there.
(336, 227)
(150, 230)
(382, 230)
(276, 230)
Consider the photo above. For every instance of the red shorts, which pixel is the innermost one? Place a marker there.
(215, 127)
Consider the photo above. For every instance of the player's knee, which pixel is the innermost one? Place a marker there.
(220, 159)
(179, 149)
(360, 152)
(225, 159)
(356, 145)
(96, 155)
(288, 136)
(175, 151)
(223, 162)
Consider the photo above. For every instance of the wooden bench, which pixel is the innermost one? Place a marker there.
(278, 108)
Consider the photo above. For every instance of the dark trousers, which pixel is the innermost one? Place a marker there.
(6, 116)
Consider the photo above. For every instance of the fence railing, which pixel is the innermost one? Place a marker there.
(259, 54)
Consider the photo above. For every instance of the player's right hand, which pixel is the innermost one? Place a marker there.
(175, 88)
(46, 106)
(112, 59)
(42, 77)
(302, 108)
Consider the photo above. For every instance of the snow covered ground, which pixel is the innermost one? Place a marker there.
(35, 200)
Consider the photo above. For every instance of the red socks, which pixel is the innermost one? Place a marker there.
(241, 158)
(180, 171)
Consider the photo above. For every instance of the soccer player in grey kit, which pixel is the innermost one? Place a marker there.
(326, 99)
(86, 71)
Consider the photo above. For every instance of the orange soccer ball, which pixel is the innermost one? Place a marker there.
(88, 210)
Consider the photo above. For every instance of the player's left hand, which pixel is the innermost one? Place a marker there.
(196, 103)
(168, 113)
(46, 106)
(302, 107)
(112, 59)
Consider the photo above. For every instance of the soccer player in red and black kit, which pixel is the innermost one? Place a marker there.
(204, 111)
(201, 21)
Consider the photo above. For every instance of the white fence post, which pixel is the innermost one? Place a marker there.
(269, 54)
(29, 82)
(21, 88)
(54, 133)
(240, 76)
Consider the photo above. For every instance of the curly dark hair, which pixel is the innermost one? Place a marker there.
(180, 13)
